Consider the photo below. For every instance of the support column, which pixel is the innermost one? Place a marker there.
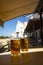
(41, 26)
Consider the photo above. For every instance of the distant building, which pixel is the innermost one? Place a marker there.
(33, 29)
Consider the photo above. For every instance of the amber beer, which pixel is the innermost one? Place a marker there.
(15, 47)
(24, 44)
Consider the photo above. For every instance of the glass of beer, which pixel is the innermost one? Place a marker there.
(15, 47)
(24, 44)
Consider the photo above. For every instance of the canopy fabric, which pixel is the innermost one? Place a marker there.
(13, 8)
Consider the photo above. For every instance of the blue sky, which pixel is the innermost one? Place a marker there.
(10, 26)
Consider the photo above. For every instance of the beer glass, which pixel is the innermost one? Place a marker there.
(15, 47)
(24, 44)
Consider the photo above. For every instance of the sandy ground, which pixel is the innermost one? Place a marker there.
(4, 41)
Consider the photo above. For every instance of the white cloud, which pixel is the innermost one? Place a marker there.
(19, 28)
(13, 35)
(29, 16)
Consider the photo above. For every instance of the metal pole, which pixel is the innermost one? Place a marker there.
(41, 25)
(34, 32)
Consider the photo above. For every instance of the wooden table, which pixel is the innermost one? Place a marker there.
(33, 58)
